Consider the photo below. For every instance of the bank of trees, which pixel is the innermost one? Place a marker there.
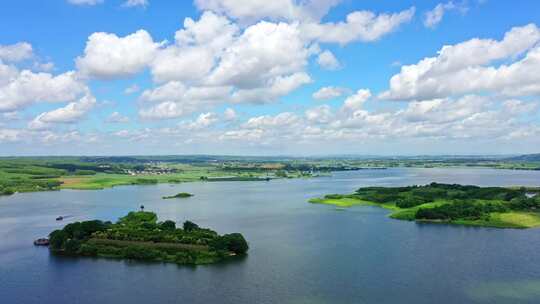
(139, 235)
(468, 210)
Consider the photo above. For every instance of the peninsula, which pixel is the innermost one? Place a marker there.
(454, 204)
(139, 236)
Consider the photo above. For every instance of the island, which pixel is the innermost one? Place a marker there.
(139, 236)
(179, 195)
(449, 203)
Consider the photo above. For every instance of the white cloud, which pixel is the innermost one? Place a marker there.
(71, 113)
(136, 3)
(108, 56)
(264, 51)
(132, 89)
(469, 118)
(204, 120)
(253, 10)
(359, 26)
(321, 114)
(517, 107)
(16, 52)
(10, 135)
(281, 120)
(461, 69)
(44, 66)
(19, 89)
(433, 17)
(174, 99)
(85, 2)
(328, 61)
(259, 63)
(116, 117)
(356, 101)
(201, 41)
(230, 114)
(327, 93)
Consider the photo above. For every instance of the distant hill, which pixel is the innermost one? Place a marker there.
(527, 157)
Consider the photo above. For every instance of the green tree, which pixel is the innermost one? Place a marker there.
(190, 226)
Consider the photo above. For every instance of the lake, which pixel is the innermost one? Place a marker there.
(299, 252)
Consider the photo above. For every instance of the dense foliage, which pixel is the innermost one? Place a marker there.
(139, 235)
(453, 201)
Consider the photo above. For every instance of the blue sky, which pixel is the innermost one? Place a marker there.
(287, 77)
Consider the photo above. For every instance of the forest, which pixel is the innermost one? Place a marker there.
(139, 236)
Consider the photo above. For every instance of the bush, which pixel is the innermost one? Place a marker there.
(7, 191)
(233, 242)
(57, 239)
(168, 225)
(411, 201)
(88, 250)
(458, 210)
(140, 253)
(190, 226)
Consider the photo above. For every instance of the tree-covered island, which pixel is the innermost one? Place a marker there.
(139, 236)
(179, 195)
(455, 204)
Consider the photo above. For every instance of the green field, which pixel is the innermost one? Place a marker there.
(27, 174)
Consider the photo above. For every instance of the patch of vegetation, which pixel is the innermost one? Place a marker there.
(455, 204)
(139, 236)
(179, 195)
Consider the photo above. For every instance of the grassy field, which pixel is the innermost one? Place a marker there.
(102, 181)
(512, 219)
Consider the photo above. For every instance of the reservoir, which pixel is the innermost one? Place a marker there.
(299, 252)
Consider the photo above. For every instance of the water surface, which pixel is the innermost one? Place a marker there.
(300, 253)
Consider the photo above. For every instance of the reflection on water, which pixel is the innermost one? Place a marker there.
(300, 253)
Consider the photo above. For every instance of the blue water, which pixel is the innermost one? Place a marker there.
(300, 253)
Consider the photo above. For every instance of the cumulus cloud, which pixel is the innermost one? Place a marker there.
(359, 26)
(433, 17)
(257, 63)
(116, 117)
(356, 101)
(266, 121)
(108, 56)
(16, 52)
(254, 10)
(10, 135)
(204, 120)
(467, 118)
(19, 89)
(327, 93)
(230, 115)
(71, 113)
(328, 61)
(518, 107)
(463, 68)
(264, 51)
(201, 41)
(174, 99)
(321, 114)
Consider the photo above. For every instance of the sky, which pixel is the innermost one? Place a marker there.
(281, 77)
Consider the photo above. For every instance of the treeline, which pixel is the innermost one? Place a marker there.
(458, 201)
(411, 196)
(469, 210)
(139, 236)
